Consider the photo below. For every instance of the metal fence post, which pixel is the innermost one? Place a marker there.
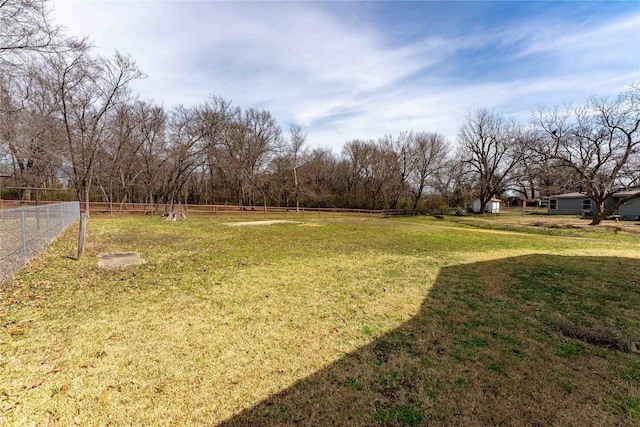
(48, 225)
(24, 235)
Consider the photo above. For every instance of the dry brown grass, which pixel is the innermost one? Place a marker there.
(515, 219)
(348, 322)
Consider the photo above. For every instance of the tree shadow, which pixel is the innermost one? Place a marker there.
(503, 342)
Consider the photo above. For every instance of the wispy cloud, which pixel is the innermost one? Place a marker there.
(610, 39)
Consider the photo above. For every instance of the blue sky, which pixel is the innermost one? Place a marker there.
(346, 70)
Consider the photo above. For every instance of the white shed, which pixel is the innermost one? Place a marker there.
(493, 206)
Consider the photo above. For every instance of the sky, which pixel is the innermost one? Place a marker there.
(363, 70)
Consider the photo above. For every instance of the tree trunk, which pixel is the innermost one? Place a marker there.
(415, 205)
(86, 200)
(598, 214)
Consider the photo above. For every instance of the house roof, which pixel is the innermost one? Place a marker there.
(576, 195)
(627, 193)
(570, 196)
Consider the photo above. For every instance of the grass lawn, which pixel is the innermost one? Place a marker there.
(333, 321)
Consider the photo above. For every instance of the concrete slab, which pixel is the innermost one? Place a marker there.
(119, 260)
(265, 222)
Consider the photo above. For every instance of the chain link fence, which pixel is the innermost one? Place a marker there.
(25, 232)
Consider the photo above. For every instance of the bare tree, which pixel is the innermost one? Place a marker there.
(9, 128)
(27, 35)
(249, 141)
(29, 129)
(354, 154)
(489, 147)
(374, 172)
(453, 182)
(320, 179)
(539, 175)
(88, 89)
(25, 28)
(279, 180)
(217, 116)
(600, 142)
(283, 167)
(296, 154)
(383, 173)
(528, 173)
(152, 122)
(121, 165)
(184, 150)
(402, 164)
(427, 154)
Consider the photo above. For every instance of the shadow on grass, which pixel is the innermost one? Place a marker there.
(531, 340)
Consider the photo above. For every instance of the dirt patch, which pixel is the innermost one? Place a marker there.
(119, 260)
(599, 335)
(266, 222)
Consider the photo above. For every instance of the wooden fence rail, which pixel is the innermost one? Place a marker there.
(146, 208)
(159, 209)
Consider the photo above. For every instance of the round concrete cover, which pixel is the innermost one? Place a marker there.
(119, 260)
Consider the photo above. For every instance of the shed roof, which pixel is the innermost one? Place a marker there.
(493, 199)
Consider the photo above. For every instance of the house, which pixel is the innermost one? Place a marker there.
(570, 204)
(581, 204)
(493, 206)
(630, 209)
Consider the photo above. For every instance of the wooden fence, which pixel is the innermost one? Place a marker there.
(159, 209)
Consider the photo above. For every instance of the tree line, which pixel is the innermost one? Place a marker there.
(68, 118)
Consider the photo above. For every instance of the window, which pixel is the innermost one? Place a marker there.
(553, 204)
(586, 204)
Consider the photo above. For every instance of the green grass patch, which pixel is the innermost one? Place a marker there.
(403, 415)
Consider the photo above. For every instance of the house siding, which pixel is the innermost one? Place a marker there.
(569, 206)
(630, 209)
